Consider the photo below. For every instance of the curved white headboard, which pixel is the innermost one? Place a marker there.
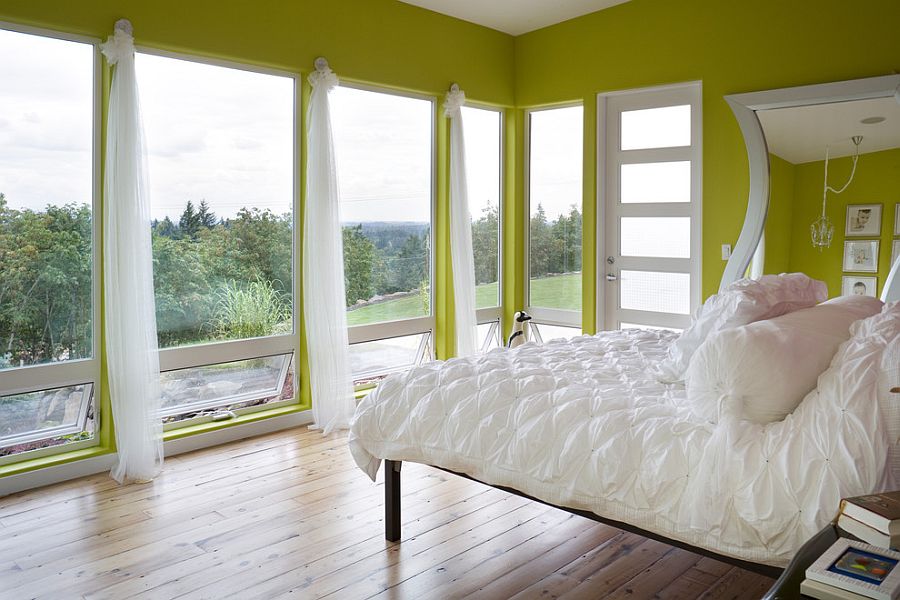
(891, 290)
(745, 107)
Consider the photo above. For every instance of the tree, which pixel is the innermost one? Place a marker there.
(206, 217)
(189, 223)
(360, 260)
(45, 283)
(486, 245)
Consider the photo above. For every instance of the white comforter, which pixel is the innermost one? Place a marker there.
(584, 424)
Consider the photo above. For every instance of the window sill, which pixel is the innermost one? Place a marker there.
(53, 460)
(182, 432)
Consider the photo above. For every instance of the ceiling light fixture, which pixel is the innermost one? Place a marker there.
(822, 229)
(872, 120)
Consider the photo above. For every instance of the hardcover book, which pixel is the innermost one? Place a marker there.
(870, 535)
(880, 511)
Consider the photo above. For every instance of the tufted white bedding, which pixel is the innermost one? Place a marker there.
(585, 424)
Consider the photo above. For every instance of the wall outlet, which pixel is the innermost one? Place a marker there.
(726, 251)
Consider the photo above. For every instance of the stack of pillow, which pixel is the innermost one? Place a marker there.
(757, 348)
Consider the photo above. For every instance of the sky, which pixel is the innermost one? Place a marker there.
(46, 109)
(555, 160)
(226, 135)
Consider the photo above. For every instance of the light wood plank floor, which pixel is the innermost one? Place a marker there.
(288, 515)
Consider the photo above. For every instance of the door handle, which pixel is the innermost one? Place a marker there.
(611, 277)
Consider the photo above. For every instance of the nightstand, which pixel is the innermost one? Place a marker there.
(787, 587)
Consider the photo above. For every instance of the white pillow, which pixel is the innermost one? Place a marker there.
(744, 301)
(761, 372)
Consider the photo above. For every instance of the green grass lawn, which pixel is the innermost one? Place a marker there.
(563, 292)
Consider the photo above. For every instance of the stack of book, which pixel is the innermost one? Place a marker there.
(853, 570)
(874, 519)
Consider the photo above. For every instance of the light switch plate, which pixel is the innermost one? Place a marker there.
(726, 251)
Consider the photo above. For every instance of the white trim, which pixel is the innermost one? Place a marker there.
(390, 329)
(214, 62)
(500, 211)
(203, 355)
(211, 353)
(415, 325)
(98, 464)
(85, 371)
(744, 107)
(51, 33)
(550, 316)
(556, 316)
(609, 161)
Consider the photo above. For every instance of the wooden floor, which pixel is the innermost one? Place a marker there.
(288, 515)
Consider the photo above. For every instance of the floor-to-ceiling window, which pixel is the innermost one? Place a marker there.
(484, 159)
(384, 152)
(221, 145)
(49, 326)
(554, 191)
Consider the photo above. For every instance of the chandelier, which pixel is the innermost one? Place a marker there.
(822, 229)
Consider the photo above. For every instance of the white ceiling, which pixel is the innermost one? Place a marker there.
(515, 16)
(799, 135)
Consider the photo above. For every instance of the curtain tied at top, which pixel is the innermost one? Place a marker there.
(130, 310)
(461, 255)
(324, 296)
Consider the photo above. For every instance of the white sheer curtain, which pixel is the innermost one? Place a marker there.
(323, 267)
(461, 257)
(131, 346)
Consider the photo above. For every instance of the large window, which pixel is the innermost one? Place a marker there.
(221, 174)
(484, 172)
(48, 322)
(555, 222)
(383, 145)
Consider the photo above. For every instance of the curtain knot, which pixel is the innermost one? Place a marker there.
(456, 99)
(117, 46)
(324, 77)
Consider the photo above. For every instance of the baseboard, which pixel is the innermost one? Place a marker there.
(237, 432)
(98, 464)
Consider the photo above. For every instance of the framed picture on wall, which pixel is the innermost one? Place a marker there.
(863, 220)
(861, 255)
(853, 285)
(897, 219)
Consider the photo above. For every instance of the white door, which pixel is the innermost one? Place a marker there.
(649, 165)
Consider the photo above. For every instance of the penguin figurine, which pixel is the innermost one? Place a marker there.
(519, 333)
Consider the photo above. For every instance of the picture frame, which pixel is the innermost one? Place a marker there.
(897, 219)
(861, 256)
(863, 220)
(859, 568)
(859, 285)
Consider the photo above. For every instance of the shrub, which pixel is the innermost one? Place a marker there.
(248, 310)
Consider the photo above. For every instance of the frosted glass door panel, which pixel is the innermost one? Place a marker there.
(665, 127)
(655, 291)
(656, 182)
(666, 237)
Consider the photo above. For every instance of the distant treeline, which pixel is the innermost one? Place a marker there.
(210, 271)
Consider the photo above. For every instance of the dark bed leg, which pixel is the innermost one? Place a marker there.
(392, 500)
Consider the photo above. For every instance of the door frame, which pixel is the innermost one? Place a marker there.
(677, 91)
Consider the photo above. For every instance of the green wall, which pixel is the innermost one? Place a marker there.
(877, 181)
(732, 47)
(779, 220)
(379, 41)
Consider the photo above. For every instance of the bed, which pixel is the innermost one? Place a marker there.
(586, 425)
